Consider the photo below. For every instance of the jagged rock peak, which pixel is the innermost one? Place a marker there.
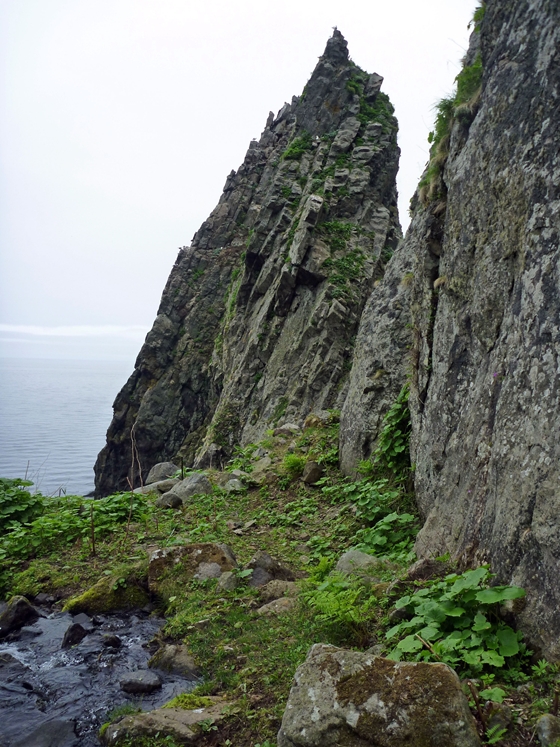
(258, 317)
(336, 50)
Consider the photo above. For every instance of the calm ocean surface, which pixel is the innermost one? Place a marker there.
(54, 415)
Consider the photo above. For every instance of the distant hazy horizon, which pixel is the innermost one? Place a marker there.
(120, 122)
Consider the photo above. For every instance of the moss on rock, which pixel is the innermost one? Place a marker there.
(109, 594)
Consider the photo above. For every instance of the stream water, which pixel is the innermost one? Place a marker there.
(55, 697)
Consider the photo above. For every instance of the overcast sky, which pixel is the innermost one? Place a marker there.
(120, 120)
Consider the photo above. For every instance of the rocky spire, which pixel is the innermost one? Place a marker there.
(257, 320)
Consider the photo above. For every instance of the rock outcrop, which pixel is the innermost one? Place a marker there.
(258, 318)
(485, 400)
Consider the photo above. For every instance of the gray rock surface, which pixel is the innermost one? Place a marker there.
(16, 613)
(54, 733)
(174, 658)
(548, 730)
(183, 561)
(142, 681)
(257, 319)
(161, 471)
(381, 361)
(312, 473)
(195, 484)
(169, 500)
(206, 571)
(485, 394)
(356, 699)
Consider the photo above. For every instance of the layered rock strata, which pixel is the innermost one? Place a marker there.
(486, 305)
(258, 318)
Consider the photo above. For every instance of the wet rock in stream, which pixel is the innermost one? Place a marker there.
(52, 696)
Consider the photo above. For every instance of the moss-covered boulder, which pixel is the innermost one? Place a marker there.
(351, 699)
(171, 568)
(110, 594)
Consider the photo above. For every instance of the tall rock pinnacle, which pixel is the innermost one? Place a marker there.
(257, 321)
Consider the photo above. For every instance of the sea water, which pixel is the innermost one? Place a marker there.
(54, 415)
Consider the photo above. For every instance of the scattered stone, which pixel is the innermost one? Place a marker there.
(288, 429)
(355, 699)
(367, 567)
(261, 466)
(276, 589)
(74, 635)
(427, 568)
(109, 595)
(158, 488)
(208, 570)
(161, 471)
(232, 524)
(177, 723)
(175, 659)
(259, 578)
(140, 682)
(112, 641)
(548, 730)
(249, 524)
(259, 453)
(228, 581)
(273, 567)
(317, 419)
(195, 484)
(16, 613)
(43, 598)
(312, 473)
(169, 500)
(498, 716)
(277, 606)
(162, 560)
(239, 474)
(234, 486)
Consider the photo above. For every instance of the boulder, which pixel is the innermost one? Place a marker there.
(261, 466)
(109, 594)
(195, 484)
(312, 473)
(356, 699)
(548, 730)
(175, 659)
(161, 471)
(367, 567)
(266, 568)
(169, 500)
(234, 486)
(74, 635)
(276, 589)
(228, 581)
(288, 429)
(179, 724)
(141, 681)
(171, 565)
(15, 614)
(277, 607)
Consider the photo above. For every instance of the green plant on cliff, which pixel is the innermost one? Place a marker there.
(456, 620)
(298, 147)
(461, 105)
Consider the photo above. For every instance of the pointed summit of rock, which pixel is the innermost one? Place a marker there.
(336, 50)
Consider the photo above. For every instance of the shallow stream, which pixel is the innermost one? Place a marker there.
(59, 697)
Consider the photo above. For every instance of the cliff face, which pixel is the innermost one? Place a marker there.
(258, 318)
(486, 396)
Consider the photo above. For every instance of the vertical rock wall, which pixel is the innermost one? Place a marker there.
(486, 309)
(259, 315)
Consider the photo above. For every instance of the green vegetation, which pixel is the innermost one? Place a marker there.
(250, 659)
(298, 147)
(189, 701)
(461, 105)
